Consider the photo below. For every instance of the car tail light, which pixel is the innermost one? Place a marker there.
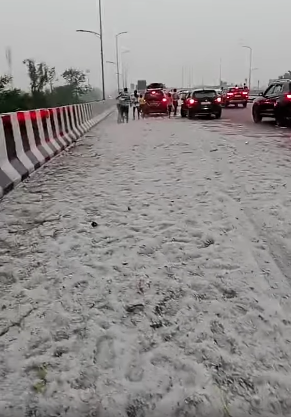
(288, 96)
(218, 99)
(164, 100)
(245, 93)
(230, 94)
(153, 92)
(192, 101)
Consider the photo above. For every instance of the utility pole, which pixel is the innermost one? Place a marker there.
(251, 65)
(102, 52)
(117, 58)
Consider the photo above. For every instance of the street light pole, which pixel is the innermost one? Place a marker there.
(124, 69)
(251, 64)
(117, 57)
(101, 47)
(117, 63)
(102, 56)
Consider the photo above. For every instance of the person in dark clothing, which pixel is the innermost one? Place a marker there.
(125, 103)
(118, 107)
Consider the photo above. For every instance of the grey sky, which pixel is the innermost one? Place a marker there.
(164, 35)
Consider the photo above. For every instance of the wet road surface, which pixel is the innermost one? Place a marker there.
(148, 271)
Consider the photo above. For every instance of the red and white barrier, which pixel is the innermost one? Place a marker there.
(28, 139)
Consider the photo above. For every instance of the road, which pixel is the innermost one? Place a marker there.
(147, 270)
(241, 116)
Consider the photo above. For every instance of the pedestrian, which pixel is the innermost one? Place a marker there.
(118, 107)
(169, 104)
(142, 104)
(125, 103)
(175, 101)
(135, 102)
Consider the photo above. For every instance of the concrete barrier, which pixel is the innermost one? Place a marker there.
(29, 139)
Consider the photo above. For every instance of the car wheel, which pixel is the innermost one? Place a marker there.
(281, 121)
(218, 115)
(257, 118)
(183, 113)
(191, 115)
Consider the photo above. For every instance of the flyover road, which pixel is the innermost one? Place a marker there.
(148, 270)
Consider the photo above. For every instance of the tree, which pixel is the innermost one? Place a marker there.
(52, 77)
(94, 94)
(77, 80)
(5, 81)
(38, 75)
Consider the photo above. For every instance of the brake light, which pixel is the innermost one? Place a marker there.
(245, 93)
(191, 101)
(218, 100)
(230, 94)
(164, 100)
(288, 96)
(153, 92)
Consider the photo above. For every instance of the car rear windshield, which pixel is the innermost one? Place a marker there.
(155, 85)
(154, 95)
(239, 90)
(205, 94)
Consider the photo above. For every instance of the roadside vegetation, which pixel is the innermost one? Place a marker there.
(47, 89)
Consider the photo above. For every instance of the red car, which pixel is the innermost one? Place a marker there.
(235, 96)
(156, 102)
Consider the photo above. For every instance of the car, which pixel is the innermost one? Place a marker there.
(183, 94)
(156, 86)
(274, 102)
(201, 102)
(156, 102)
(235, 96)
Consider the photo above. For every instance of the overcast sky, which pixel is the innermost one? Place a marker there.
(164, 36)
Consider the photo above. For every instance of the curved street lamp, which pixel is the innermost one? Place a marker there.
(89, 31)
(102, 58)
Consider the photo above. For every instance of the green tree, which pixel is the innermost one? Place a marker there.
(76, 79)
(38, 75)
(5, 81)
(52, 75)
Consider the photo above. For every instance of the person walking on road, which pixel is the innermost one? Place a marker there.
(142, 104)
(135, 102)
(169, 104)
(175, 101)
(118, 107)
(125, 103)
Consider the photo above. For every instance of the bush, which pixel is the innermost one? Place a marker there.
(43, 93)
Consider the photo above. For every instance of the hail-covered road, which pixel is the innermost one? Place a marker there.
(147, 272)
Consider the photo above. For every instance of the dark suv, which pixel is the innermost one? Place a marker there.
(201, 102)
(156, 102)
(275, 102)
